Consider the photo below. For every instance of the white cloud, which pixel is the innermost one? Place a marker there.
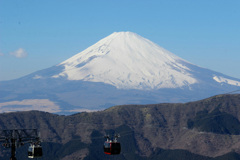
(1, 54)
(19, 53)
(30, 104)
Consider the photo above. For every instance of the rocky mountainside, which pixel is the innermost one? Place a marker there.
(123, 68)
(206, 129)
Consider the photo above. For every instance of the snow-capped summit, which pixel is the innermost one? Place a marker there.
(123, 68)
(128, 61)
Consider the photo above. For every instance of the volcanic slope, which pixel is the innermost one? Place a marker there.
(123, 68)
(128, 61)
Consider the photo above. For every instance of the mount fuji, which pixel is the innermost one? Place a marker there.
(123, 68)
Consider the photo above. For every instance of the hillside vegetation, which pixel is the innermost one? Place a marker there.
(206, 129)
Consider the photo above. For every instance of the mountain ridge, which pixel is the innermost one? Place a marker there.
(128, 61)
(146, 130)
(123, 68)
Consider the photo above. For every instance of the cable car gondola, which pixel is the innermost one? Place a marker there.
(112, 147)
(35, 151)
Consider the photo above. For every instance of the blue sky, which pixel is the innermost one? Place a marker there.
(37, 34)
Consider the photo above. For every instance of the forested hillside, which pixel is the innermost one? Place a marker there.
(206, 129)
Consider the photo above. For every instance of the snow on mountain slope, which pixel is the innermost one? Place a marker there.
(123, 68)
(128, 61)
(221, 79)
